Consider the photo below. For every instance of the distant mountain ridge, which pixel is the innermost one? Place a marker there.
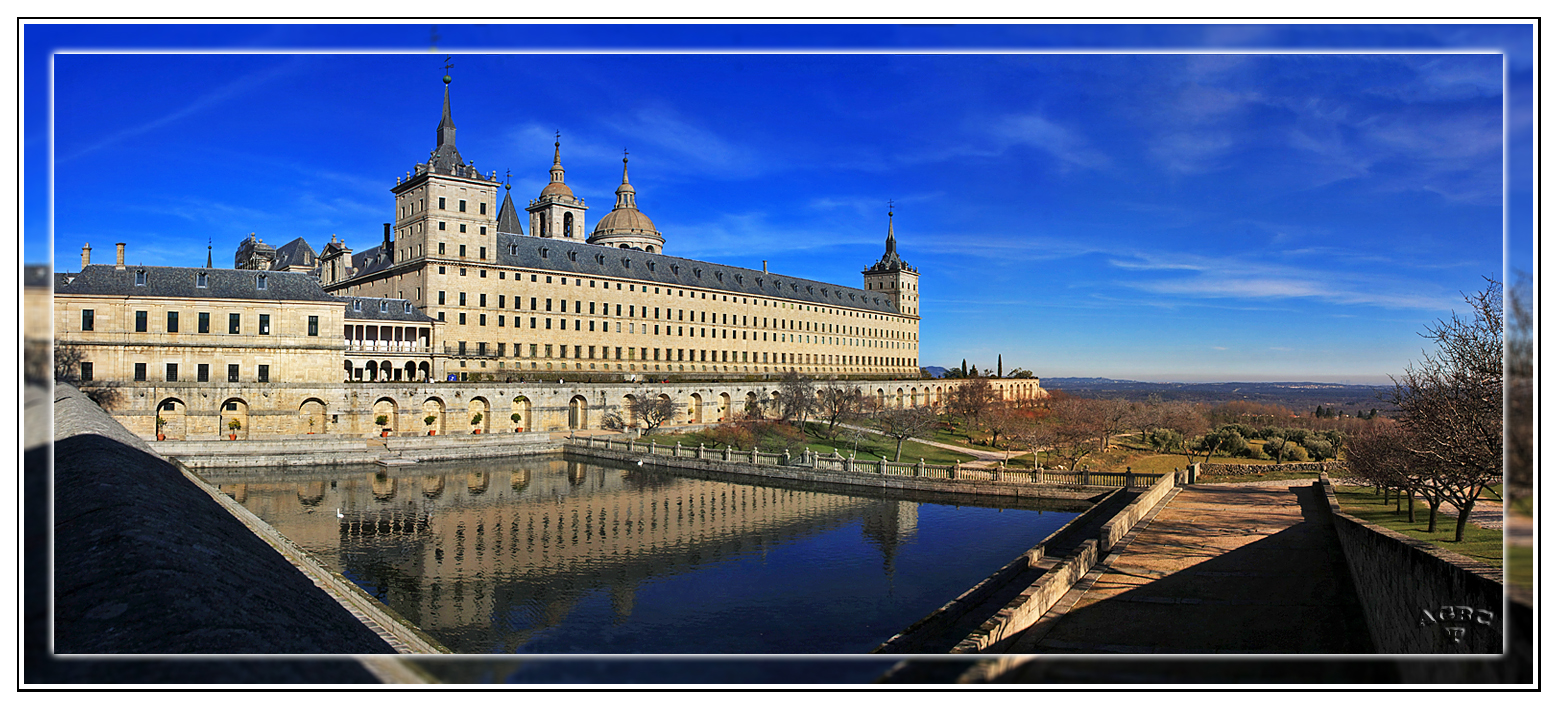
(1299, 396)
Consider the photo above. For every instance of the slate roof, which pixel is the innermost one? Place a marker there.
(296, 253)
(396, 309)
(371, 261)
(590, 260)
(179, 282)
(508, 220)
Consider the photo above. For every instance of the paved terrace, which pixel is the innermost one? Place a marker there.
(1220, 569)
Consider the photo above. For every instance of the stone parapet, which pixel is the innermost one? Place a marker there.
(1240, 469)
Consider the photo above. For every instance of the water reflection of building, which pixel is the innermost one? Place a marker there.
(472, 552)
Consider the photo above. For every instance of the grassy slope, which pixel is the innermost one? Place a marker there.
(1486, 546)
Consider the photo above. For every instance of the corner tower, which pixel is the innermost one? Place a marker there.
(625, 227)
(894, 278)
(556, 213)
(444, 208)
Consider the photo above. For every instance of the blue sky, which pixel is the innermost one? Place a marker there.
(1236, 216)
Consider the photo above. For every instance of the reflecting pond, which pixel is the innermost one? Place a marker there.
(547, 555)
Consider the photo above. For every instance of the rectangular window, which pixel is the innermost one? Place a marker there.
(265, 324)
(173, 321)
(232, 373)
(232, 324)
(263, 374)
(86, 372)
(549, 351)
(462, 252)
(462, 298)
(441, 205)
(140, 321)
(481, 319)
(533, 350)
(441, 316)
(483, 231)
(462, 229)
(202, 373)
(260, 282)
(462, 318)
(203, 323)
(481, 208)
(88, 319)
(500, 300)
(440, 226)
(462, 347)
(481, 253)
(462, 205)
(313, 325)
(481, 300)
(140, 372)
(200, 280)
(549, 324)
(173, 372)
(533, 323)
(140, 278)
(441, 253)
(441, 298)
(500, 322)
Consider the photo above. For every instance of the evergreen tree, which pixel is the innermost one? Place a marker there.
(963, 370)
(999, 372)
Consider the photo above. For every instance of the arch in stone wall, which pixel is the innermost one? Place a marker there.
(522, 407)
(774, 404)
(385, 407)
(882, 398)
(578, 413)
(750, 409)
(172, 412)
(898, 398)
(233, 409)
(387, 372)
(478, 405)
(695, 408)
(725, 407)
(671, 407)
(434, 407)
(371, 371)
(312, 417)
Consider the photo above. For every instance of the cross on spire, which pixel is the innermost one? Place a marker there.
(448, 63)
(506, 178)
(890, 208)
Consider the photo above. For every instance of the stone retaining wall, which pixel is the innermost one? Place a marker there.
(1419, 598)
(963, 486)
(1036, 600)
(913, 639)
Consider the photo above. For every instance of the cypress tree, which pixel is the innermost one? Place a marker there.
(999, 371)
(963, 371)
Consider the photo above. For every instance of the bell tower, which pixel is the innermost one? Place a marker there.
(556, 213)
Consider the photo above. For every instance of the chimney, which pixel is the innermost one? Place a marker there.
(765, 266)
(86, 255)
(387, 237)
(119, 262)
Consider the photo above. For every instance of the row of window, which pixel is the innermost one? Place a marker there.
(202, 322)
(261, 281)
(406, 210)
(682, 315)
(588, 352)
(171, 374)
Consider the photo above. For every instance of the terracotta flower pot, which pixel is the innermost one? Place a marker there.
(384, 433)
(431, 433)
(162, 437)
(232, 437)
(519, 429)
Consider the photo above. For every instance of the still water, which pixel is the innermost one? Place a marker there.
(545, 555)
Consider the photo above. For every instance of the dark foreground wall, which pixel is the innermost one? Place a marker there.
(146, 563)
(1421, 599)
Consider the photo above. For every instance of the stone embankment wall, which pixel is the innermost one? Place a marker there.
(1419, 598)
(916, 637)
(1032, 603)
(1012, 483)
(146, 562)
(335, 451)
(1241, 469)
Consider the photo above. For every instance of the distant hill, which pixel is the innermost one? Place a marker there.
(1300, 396)
(935, 371)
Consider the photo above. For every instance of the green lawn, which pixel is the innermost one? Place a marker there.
(1486, 546)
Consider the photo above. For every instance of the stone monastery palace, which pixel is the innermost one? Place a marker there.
(462, 290)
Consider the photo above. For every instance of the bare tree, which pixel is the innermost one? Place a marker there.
(652, 409)
(1146, 415)
(1518, 362)
(970, 401)
(67, 369)
(836, 403)
(797, 397)
(901, 424)
(1073, 429)
(1034, 435)
(1111, 417)
(1453, 402)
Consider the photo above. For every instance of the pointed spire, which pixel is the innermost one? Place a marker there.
(625, 193)
(508, 219)
(892, 246)
(445, 158)
(446, 123)
(557, 157)
(208, 252)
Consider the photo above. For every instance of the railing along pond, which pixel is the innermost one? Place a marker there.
(836, 462)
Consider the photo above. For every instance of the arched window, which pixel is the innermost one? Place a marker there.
(568, 225)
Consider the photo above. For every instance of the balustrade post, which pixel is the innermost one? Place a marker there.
(700, 455)
(920, 468)
(953, 472)
(786, 461)
(727, 455)
(676, 451)
(882, 466)
(752, 456)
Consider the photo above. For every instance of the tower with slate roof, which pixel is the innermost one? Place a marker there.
(556, 213)
(894, 278)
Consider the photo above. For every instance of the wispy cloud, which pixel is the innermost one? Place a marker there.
(1036, 131)
(220, 94)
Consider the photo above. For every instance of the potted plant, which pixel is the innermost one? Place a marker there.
(233, 425)
(311, 425)
(515, 417)
(160, 435)
(382, 420)
(476, 421)
(428, 420)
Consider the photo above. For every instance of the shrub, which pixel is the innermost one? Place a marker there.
(1165, 440)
